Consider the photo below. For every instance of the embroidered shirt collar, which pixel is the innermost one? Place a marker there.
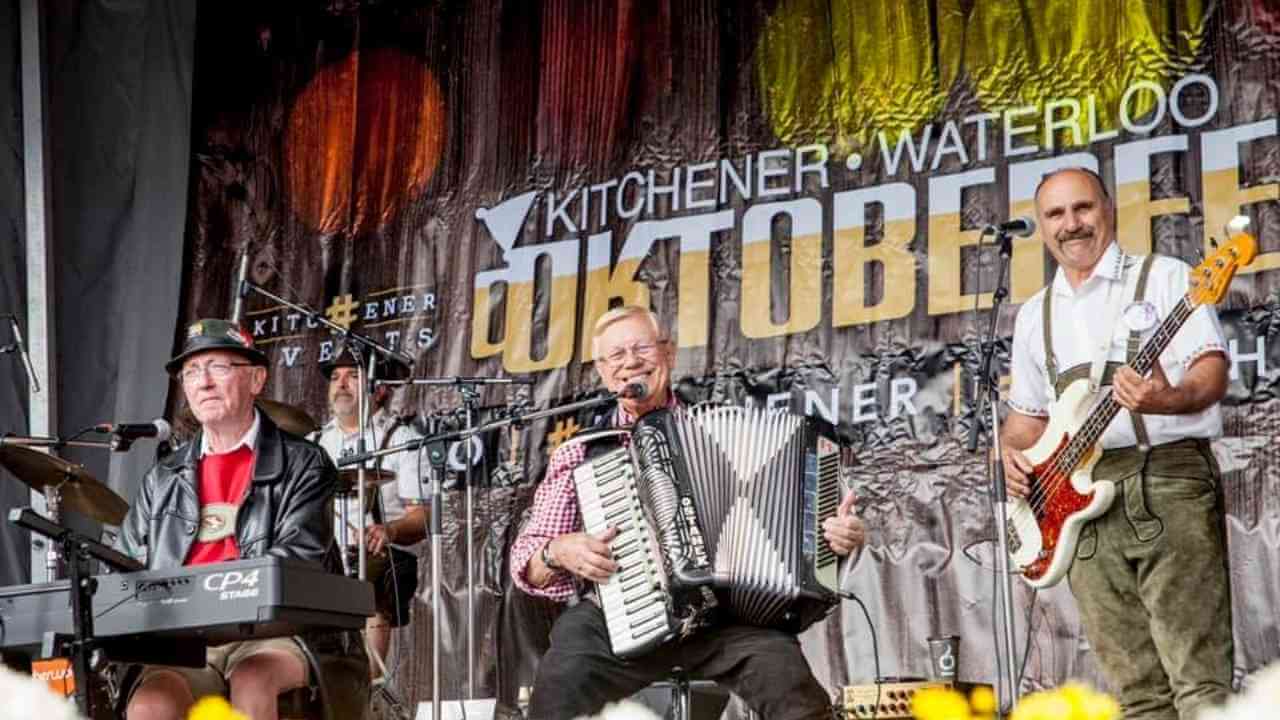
(1108, 268)
(249, 439)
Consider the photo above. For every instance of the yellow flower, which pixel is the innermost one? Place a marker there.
(983, 700)
(939, 704)
(1099, 706)
(1072, 701)
(214, 707)
(1042, 706)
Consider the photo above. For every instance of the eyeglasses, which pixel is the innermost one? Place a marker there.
(644, 350)
(216, 370)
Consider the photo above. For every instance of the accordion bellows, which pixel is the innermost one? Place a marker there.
(719, 512)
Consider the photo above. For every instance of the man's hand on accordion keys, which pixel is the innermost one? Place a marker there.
(584, 555)
(845, 532)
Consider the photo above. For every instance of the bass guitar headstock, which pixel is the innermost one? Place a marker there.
(1211, 278)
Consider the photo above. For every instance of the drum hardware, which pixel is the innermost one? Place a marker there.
(374, 479)
(289, 418)
(65, 485)
(347, 491)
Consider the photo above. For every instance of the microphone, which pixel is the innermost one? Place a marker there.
(634, 391)
(26, 358)
(241, 287)
(158, 429)
(1018, 227)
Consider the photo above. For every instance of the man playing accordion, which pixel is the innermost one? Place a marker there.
(554, 558)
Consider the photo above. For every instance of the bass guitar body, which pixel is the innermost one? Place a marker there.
(1045, 526)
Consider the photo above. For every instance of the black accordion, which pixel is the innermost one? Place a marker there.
(719, 513)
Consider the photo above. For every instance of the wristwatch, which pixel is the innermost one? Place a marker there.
(547, 559)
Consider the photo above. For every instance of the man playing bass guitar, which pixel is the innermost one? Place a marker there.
(1149, 573)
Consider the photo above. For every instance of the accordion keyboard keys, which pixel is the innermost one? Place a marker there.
(633, 600)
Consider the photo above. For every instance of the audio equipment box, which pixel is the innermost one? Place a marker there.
(860, 701)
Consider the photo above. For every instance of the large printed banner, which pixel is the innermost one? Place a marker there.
(798, 188)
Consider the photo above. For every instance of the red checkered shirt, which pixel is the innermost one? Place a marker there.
(555, 513)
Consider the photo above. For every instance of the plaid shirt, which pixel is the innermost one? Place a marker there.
(555, 513)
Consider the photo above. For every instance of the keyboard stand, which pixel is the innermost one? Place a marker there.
(78, 550)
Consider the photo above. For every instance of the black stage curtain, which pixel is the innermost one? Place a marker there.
(120, 92)
(119, 123)
(14, 557)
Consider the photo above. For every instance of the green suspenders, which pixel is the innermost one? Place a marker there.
(1134, 344)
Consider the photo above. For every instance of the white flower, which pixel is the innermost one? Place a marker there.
(624, 710)
(1258, 701)
(25, 697)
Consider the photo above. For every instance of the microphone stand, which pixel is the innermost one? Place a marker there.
(468, 387)
(375, 348)
(364, 424)
(513, 419)
(33, 384)
(469, 390)
(988, 399)
(436, 453)
(51, 442)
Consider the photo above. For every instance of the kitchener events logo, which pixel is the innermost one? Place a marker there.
(402, 318)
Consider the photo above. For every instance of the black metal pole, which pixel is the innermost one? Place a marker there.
(337, 329)
(83, 586)
(988, 401)
(513, 419)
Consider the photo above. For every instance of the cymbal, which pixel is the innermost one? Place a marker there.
(348, 478)
(289, 418)
(79, 490)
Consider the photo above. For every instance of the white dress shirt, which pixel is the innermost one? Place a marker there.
(249, 439)
(340, 444)
(1082, 313)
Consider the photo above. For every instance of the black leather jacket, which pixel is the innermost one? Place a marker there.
(287, 511)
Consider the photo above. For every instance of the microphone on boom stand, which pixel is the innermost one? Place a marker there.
(242, 287)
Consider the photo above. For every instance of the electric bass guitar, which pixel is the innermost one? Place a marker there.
(1045, 526)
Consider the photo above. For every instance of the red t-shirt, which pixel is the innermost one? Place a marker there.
(223, 479)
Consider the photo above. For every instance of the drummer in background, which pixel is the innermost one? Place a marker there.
(400, 522)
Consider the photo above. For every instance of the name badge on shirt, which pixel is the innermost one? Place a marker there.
(1140, 316)
(217, 521)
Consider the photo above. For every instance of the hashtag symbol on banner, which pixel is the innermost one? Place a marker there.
(342, 311)
(565, 429)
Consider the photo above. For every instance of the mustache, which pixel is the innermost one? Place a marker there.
(1081, 234)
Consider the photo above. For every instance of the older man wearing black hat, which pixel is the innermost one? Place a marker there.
(398, 520)
(242, 488)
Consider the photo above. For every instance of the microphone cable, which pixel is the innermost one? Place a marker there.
(871, 626)
(875, 647)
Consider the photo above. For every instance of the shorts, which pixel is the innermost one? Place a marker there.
(395, 582)
(221, 661)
